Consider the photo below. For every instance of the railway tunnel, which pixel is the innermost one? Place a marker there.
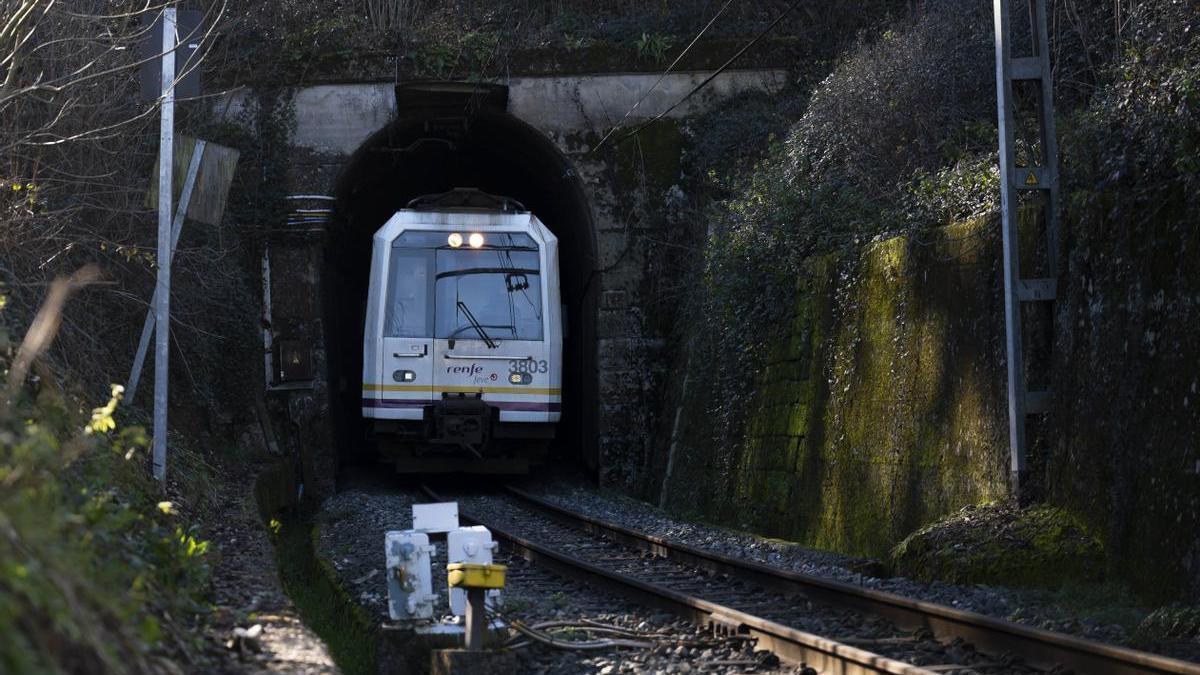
(445, 136)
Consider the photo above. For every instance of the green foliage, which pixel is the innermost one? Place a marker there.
(968, 189)
(893, 105)
(653, 47)
(759, 239)
(472, 55)
(20, 199)
(1141, 134)
(899, 138)
(322, 34)
(90, 570)
(862, 156)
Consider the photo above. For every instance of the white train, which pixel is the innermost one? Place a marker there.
(462, 347)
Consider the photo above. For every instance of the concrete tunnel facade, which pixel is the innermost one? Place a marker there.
(373, 148)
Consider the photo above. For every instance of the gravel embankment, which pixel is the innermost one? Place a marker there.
(350, 536)
(1022, 606)
(871, 633)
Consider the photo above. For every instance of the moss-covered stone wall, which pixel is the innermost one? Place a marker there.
(1126, 452)
(879, 408)
(881, 405)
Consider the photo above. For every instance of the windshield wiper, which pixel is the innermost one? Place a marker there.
(462, 306)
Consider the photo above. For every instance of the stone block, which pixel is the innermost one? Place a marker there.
(463, 662)
(618, 385)
(618, 323)
(614, 299)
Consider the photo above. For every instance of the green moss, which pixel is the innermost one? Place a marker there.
(879, 406)
(1041, 546)
(312, 583)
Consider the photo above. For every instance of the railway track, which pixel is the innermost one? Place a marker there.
(787, 612)
(792, 630)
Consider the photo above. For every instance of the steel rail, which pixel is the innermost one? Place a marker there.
(789, 644)
(1037, 647)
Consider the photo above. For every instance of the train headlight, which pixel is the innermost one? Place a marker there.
(455, 240)
(520, 378)
(476, 240)
(404, 376)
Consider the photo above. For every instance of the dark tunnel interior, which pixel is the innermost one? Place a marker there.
(436, 149)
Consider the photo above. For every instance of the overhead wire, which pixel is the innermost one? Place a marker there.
(712, 76)
(663, 76)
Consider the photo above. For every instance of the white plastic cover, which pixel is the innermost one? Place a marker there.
(439, 517)
(409, 580)
(470, 545)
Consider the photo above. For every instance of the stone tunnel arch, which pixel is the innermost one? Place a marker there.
(447, 136)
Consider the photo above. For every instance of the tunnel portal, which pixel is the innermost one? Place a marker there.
(446, 136)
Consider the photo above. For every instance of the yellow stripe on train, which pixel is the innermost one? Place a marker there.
(416, 388)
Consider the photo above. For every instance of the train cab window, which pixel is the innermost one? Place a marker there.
(495, 287)
(409, 311)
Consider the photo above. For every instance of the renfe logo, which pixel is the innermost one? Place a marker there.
(473, 369)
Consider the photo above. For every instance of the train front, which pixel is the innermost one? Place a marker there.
(462, 362)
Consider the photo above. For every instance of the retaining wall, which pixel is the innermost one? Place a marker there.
(882, 405)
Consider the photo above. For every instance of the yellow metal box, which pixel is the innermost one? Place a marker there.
(475, 575)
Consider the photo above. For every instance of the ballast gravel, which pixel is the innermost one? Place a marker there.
(1016, 605)
(350, 535)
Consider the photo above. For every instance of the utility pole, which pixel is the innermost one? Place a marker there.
(162, 289)
(1041, 177)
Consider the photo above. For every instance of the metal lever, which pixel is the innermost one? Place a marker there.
(413, 355)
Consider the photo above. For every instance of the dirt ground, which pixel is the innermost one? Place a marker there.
(248, 592)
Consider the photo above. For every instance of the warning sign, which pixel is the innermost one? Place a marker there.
(1032, 178)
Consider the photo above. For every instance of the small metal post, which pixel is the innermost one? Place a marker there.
(268, 365)
(162, 305)
(476, 619)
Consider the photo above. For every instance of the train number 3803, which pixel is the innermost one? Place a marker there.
(528, 366)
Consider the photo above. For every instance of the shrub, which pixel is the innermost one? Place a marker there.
(95, 573)
(1141, 134)
(894, 105)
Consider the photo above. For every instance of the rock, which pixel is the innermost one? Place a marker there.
(1174, 622)
(366, 577)
(1040, 546)
(463, 662)
(246, 640)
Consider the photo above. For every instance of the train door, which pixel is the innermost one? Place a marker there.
(406, 360)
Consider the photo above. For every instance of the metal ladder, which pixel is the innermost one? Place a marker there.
(1041, 176)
